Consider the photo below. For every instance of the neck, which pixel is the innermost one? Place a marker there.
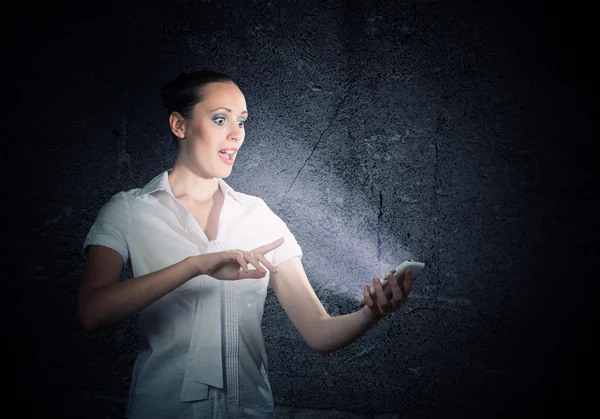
(187, 183)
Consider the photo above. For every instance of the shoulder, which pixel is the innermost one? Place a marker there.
(122, 197)
(125, 195)
(250, 202)
(118, 203)
(259, 210)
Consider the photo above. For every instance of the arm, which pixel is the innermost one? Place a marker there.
(103, 301)
(323, 333)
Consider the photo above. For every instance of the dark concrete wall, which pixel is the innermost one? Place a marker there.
(451, 132)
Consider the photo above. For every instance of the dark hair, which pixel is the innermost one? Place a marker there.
(183, 93)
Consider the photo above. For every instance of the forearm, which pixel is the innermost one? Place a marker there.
(337, 332)
(111, 304)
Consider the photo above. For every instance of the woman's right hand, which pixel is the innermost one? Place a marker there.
(230, 265)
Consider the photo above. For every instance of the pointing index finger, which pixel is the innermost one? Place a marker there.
(271, 246)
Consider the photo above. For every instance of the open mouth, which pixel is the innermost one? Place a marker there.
(227, 156)
(227, 153)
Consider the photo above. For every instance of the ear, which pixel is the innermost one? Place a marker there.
(178, 124)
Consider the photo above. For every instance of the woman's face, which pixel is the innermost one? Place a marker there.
(216, 131)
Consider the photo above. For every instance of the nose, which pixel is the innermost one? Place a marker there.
(236, 134)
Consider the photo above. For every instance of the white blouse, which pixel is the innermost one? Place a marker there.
(204, 353)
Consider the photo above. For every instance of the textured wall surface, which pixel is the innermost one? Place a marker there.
(450, 132)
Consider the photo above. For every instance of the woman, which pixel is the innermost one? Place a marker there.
(202, 256)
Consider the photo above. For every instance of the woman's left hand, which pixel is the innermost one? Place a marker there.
(384, 303)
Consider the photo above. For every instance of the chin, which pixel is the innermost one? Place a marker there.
(225, 172)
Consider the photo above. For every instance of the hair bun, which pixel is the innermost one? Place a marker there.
(170, 90)
(181, 93)
(167, 94)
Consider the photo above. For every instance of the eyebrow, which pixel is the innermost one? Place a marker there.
(227, 109)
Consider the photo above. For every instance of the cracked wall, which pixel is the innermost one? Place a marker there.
(439, 131)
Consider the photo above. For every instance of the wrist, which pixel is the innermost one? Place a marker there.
(369, 317)
(196, 265)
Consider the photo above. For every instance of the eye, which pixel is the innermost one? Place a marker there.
(241, 123)
(219, 119)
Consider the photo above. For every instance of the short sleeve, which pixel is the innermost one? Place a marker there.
(111, 227)
(290, 247)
